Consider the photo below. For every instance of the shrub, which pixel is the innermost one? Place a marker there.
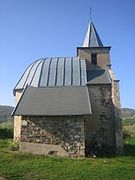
(126, 135)
(6, 133)
(14, 145)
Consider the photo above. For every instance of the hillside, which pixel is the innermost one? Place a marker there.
(128, 116)
(5, 113)
(127, 112)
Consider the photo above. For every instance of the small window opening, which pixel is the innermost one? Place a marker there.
(94, 59)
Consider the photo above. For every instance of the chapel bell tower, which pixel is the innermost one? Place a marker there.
(93, 50)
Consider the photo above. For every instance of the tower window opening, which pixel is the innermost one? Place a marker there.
(94, 58)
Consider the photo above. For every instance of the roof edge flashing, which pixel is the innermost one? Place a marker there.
(104, 47)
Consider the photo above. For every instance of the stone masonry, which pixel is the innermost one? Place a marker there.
(64, 131)
(117, 112)
(100, 132)
(103, 56)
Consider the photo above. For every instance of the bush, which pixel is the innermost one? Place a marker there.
(14, 146)
(6, 133)
(126, 135)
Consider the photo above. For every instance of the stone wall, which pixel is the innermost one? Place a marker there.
(118, 120)
(18, 94)
(17, 127)
(103, 56)
(64, 131)
(117, 110)
(100, 130)
(17, 119)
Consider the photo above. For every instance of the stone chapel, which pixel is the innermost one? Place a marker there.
(70, 106)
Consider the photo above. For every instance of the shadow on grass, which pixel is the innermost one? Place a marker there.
(129, 150)
(6, 133)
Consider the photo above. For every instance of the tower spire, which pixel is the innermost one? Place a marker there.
(92, 38)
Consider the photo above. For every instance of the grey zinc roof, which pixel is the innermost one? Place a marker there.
(92, 38)
(98, 76)
(49, 101)
(48, 72)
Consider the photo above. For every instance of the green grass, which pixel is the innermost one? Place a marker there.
(17, 166)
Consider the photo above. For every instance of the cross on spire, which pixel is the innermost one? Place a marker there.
(90, 13)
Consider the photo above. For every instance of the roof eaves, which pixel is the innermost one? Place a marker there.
(90, 83)
(104, 47)
(41, 115)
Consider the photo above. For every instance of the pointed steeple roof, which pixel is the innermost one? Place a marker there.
(92, 38)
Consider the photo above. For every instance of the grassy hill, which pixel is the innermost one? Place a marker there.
(127, 112)
(128, 120)
(128, 116)
(5, 113)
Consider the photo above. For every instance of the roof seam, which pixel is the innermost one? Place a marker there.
(64, 72)
(48, 76)
(23, 75)
(41, 72)
(80, 72)
(56, 72)
(35, 72)
(28, 74)
(71, 71)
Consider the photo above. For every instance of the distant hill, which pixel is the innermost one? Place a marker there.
(127, 112)
(5, 113)
(128, 116)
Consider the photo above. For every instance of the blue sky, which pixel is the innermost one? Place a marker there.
(33, 29)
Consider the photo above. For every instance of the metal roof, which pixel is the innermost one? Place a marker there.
(49, 101)
(48, 72)
(92, 38)
(98, 76)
